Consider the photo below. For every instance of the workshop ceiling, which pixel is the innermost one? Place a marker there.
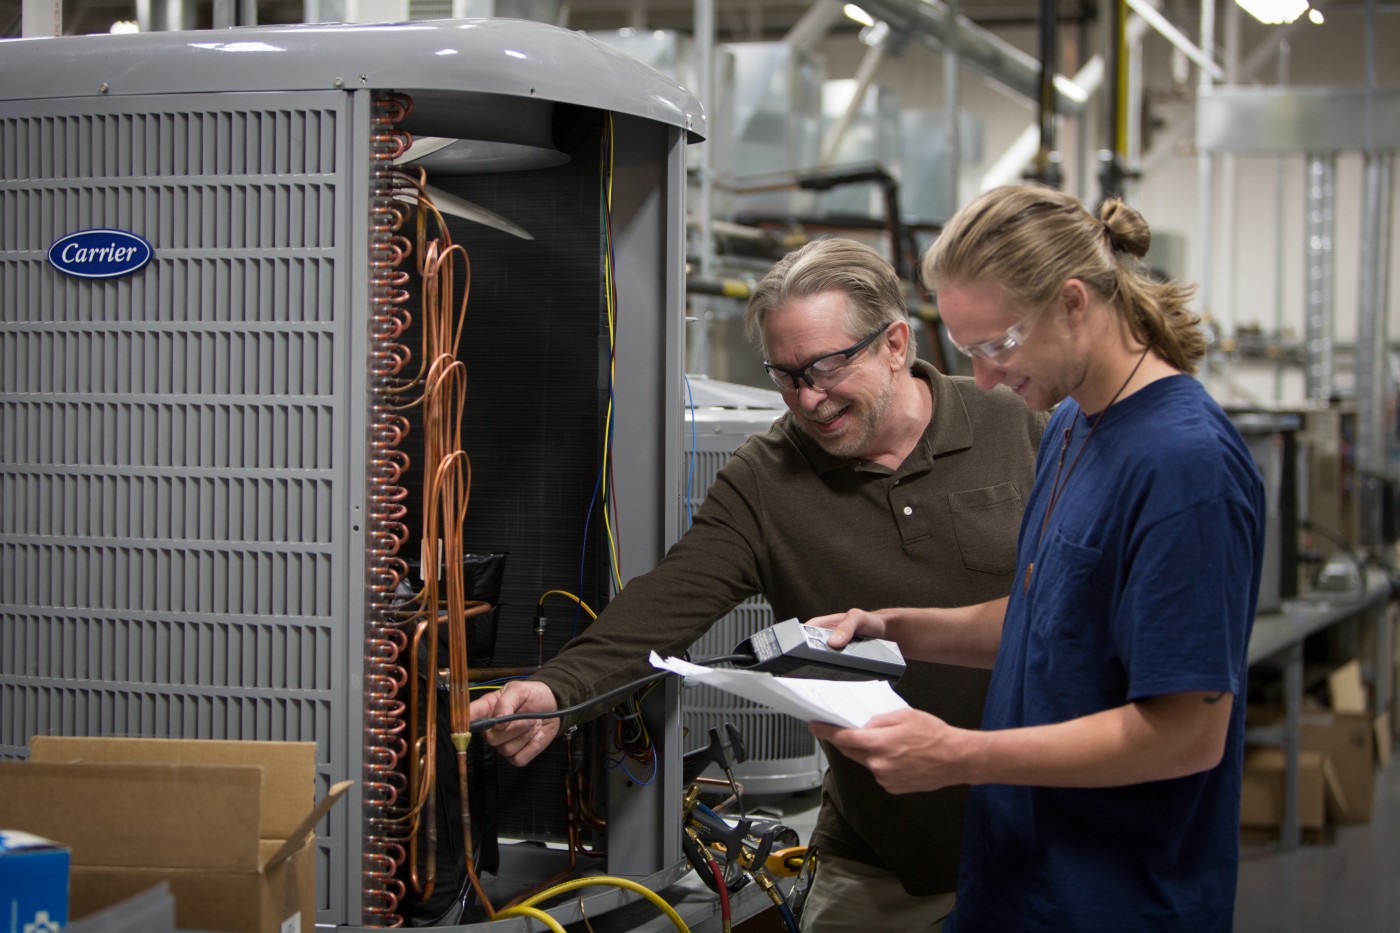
(735, 20)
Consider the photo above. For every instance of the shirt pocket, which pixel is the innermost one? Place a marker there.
(1067, 588)
(985, 524)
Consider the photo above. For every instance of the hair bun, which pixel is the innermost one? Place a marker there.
(1127, 231)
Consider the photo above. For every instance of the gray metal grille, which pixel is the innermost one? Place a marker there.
(176, 474)
(783, 755)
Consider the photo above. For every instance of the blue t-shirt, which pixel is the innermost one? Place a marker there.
(1145, 583)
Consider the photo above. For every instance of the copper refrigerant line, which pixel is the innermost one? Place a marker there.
(403, 669)
(404, 627)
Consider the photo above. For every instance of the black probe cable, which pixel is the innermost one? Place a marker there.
(491, 722)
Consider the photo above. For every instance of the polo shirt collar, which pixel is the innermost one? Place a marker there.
(949, 431)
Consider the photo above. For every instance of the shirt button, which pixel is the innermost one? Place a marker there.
(908, 510)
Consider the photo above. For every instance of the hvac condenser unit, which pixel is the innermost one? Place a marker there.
(783, 756)
(331, 357)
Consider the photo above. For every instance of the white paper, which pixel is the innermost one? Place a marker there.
(843, 702)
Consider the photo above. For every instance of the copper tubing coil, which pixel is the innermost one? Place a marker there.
(393, 641)
(385, 787)
(388, 364)
(393, 107)
(392, 296)
(388, 146)
(386, 510)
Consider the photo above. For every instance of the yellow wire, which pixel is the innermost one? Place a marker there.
(612, 359)
(567, 595)
(523, 911)
(614, 881)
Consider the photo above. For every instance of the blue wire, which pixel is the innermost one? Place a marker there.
(500, 680)
(622, 763)
(694, 443)
(583, 551)
(788, 919)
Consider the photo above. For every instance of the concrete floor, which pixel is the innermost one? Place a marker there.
(1350, 881)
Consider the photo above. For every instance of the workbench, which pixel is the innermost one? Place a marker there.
(1279, 636)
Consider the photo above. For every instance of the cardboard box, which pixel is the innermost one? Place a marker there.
(33, 883)
(1349, 743)
(1261, 797)
(229, 825)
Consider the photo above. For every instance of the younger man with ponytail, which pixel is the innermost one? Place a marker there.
(1106, 778)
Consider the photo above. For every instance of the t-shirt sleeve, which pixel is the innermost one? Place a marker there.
(1188, 610)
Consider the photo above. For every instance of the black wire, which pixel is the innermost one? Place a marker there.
(1342, 544)
(740, 657)
(481, 725)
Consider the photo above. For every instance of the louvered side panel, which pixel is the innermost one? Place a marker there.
(176, 472)
(783, 755)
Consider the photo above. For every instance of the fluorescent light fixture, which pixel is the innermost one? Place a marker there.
(1274, 12)
(856, 13)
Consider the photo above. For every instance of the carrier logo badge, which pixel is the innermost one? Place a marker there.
(100, 254)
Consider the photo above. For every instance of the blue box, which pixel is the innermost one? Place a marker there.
(33, 884)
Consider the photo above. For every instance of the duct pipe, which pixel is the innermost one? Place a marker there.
(1320, 292)
(933, 23)
(808, 32)
(865, 73)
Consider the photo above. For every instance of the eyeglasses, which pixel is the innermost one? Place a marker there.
(822, 373)
(996, 348)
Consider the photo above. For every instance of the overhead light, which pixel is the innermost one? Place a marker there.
(1316, 16)
(124, 27)
(860, 16)
(1274, 12)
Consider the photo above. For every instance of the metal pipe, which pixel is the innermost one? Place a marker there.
(865, 73)
(1045, 165)
(1319, 294)
(1280, 253)
(1089, 79)
(1371, 338)
(1227, 194)
(1167, 143)
(1176, 37)
(1205, 189)
(808, 32)
(952, 93)
(697, 359)
(932, 22)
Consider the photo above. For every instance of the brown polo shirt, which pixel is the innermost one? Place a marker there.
(816, 534)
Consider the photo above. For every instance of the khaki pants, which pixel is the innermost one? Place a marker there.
(852, 897)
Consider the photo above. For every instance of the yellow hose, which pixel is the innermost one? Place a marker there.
(520, 910)
(614, 881)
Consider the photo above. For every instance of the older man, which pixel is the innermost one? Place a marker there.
(885, 481)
